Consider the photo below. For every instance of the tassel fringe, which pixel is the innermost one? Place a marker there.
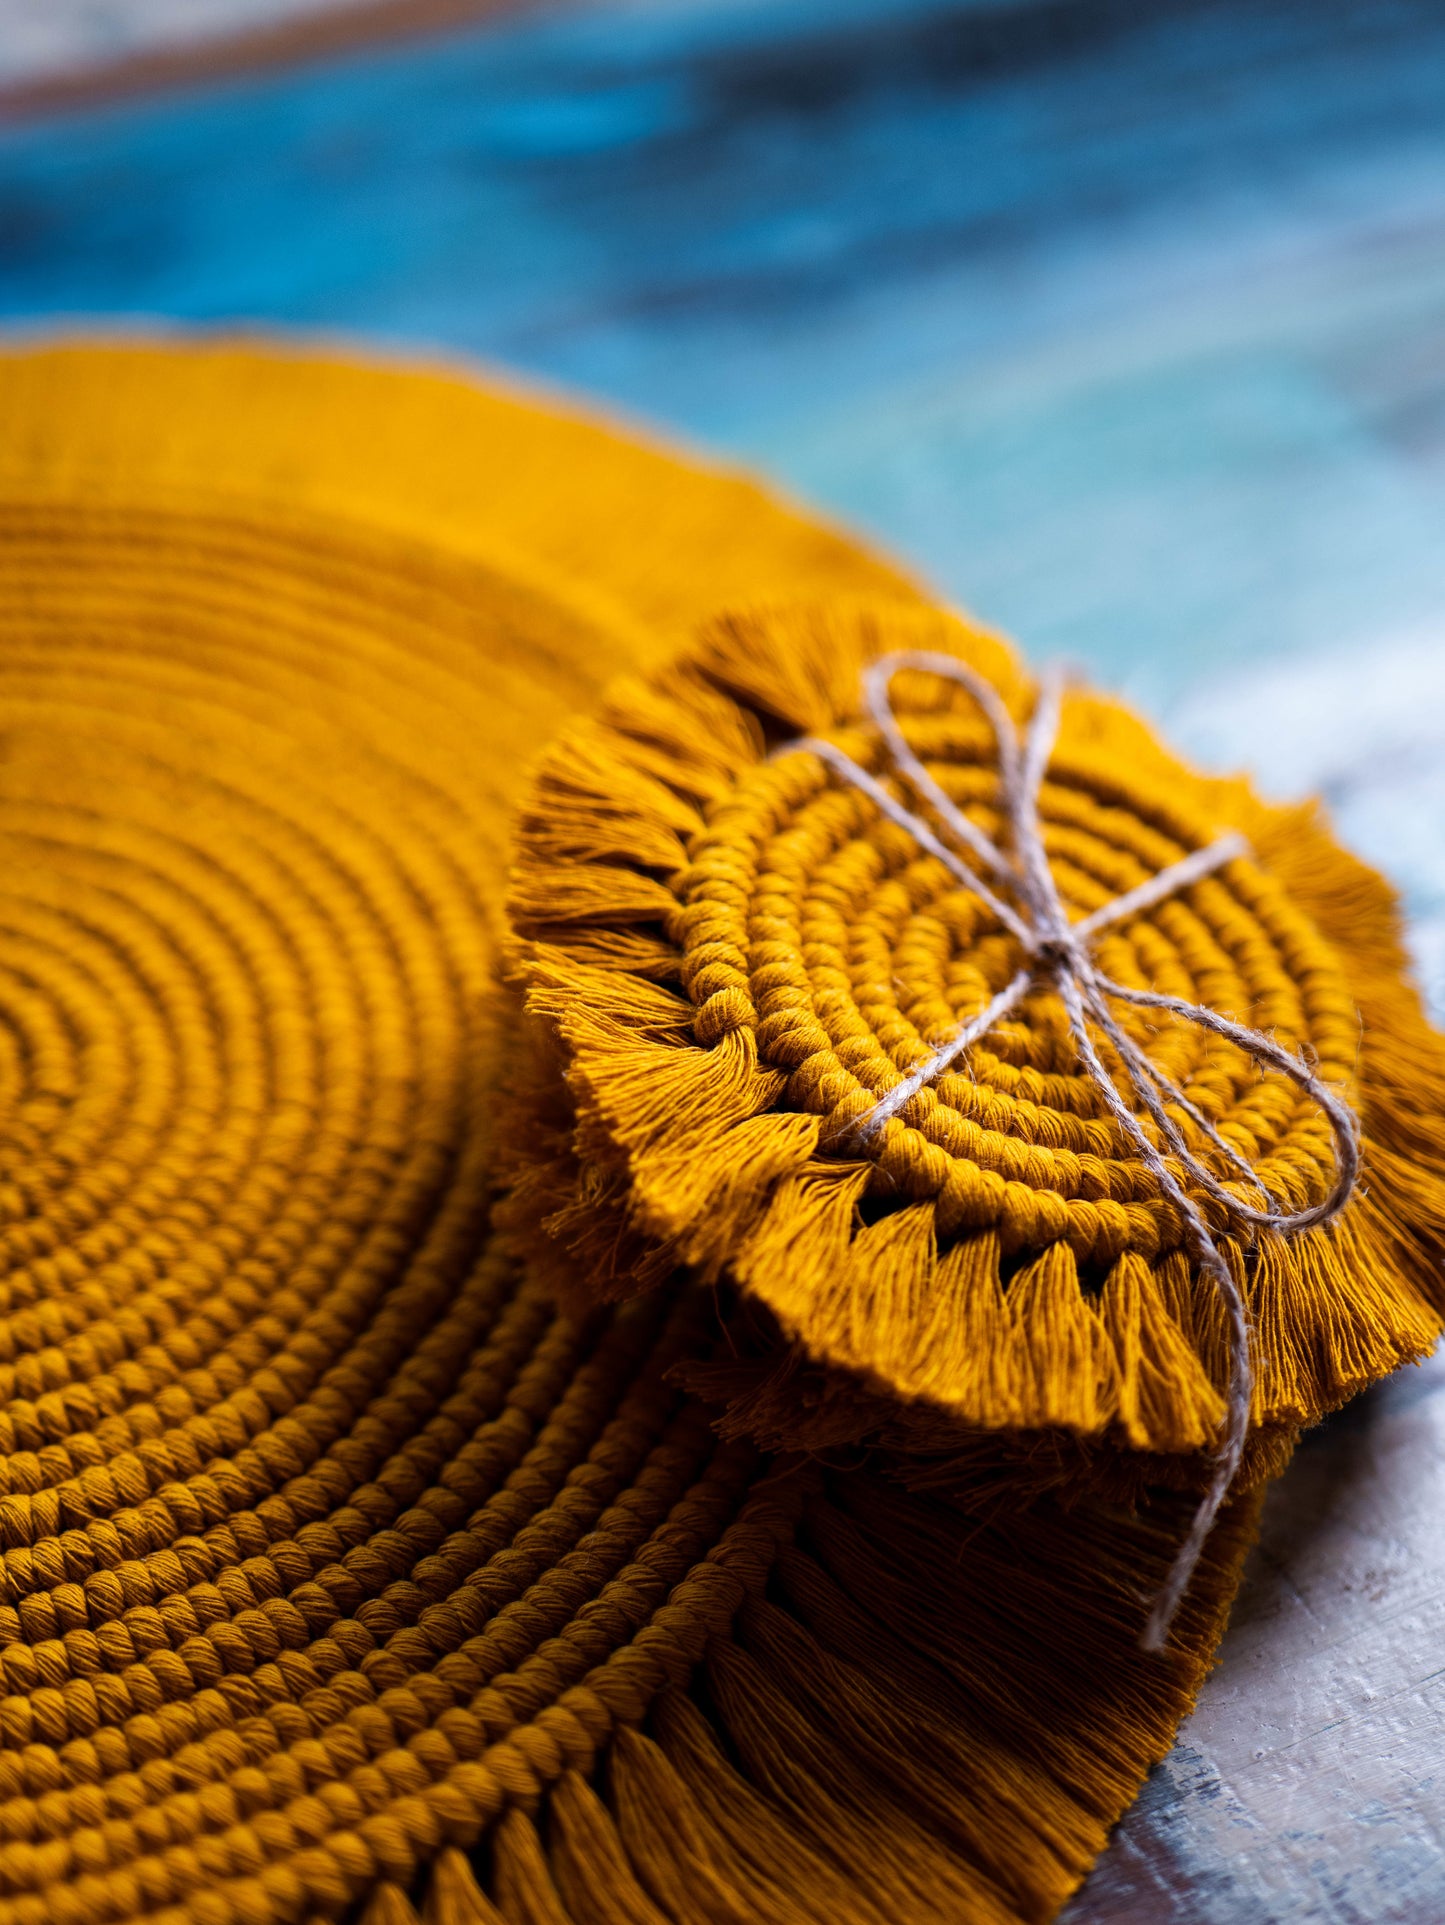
(848, 1754)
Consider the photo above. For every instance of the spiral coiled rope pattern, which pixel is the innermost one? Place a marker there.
(322, 1537)
(319, 1536)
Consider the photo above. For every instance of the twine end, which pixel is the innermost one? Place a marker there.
(1154, 1638)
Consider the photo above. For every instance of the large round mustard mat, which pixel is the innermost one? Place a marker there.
(341, 1572)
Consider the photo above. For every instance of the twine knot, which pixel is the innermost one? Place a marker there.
(1060, 952)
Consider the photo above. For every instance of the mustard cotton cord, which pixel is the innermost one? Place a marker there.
(323, 1538)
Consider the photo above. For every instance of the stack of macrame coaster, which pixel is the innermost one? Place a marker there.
(758, 1520)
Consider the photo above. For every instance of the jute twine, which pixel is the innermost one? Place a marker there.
(1057, 952)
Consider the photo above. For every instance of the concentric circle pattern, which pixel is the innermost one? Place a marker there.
(852, 954)
(294, 1477)
(322, 1538)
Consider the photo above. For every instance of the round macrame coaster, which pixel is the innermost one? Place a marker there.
(732, 957)
(343, 1575)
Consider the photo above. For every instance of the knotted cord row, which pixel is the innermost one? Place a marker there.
(1057, 953)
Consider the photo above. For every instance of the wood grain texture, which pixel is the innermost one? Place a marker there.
(1126, 324)
(71, 53)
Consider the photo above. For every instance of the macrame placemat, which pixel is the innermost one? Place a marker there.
(346, 1574)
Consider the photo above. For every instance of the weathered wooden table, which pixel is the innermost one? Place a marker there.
(1128, 325)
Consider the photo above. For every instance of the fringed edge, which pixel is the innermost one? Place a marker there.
(665, 1147)
(772, 1390)
(885, 1729)
(943, 1336)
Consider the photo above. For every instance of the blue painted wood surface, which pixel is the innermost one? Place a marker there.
(1127, 324)
(1126, 321)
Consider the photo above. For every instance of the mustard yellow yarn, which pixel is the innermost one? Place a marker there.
(342, 1574)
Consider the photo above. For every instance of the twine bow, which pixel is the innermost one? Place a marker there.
(1058, 953)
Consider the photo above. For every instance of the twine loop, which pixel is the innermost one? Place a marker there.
(1059, 953)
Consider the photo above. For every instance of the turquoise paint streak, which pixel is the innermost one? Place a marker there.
(1127, 325)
